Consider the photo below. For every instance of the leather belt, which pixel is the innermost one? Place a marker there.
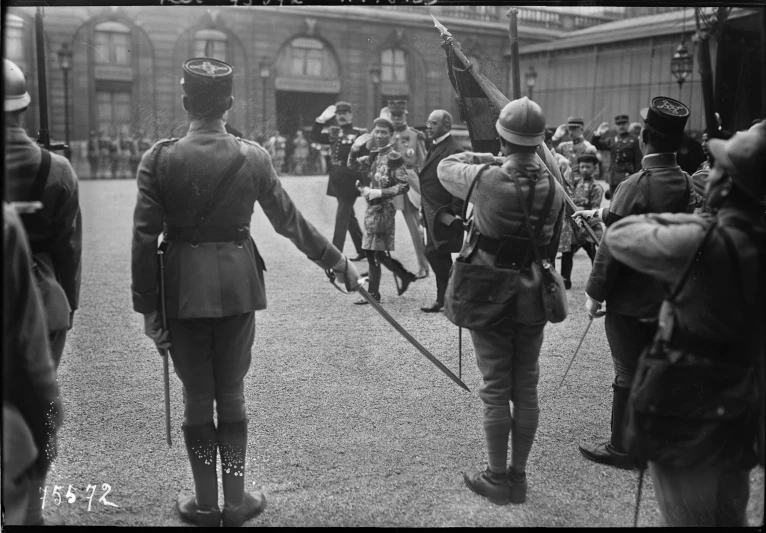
(510, 252)
(199, 234)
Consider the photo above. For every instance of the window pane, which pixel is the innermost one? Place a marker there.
(102, 47)
(400, 73)
(399, 56)
(314, 63)
(387, 57)
(219, 50)
(121, 46)
(387, 73)
(199, 48)
(298, 61)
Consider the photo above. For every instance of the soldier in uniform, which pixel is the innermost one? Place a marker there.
(623, 148)
(507, 356)
(199, 192)
(716, 316)
(411, 143)
(55, 232)
(577, 145)
(342, 181)
(32, 408)
(587, 194)
(633, 298)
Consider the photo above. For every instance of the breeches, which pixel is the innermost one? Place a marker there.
(345, 220)
(627, 337)
(211, 356)
(508, 361)
(709, 495)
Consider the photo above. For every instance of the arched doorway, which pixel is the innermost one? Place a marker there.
(307, 81)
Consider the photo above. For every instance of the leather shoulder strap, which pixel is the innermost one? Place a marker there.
(470, 191)
(41, 179)
(226, 178)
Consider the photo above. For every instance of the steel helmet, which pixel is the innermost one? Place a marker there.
(522, 122)
(16, 95)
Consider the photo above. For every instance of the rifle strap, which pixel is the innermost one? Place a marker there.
(41, 179)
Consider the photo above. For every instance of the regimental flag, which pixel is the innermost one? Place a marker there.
(477, 109)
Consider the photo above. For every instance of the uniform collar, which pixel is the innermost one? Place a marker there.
(401, 128)
(578, 140)
(663, 160)
(16, 135)
(207, 126)
(348, 126)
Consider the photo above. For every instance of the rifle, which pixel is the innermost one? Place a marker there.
(43, 135)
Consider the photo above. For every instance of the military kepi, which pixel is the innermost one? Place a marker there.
(666, 115)
(576, 121)
(621, 119)
(205, 76)
(397, 107)
(342, 107)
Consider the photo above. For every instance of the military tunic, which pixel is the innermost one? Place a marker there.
(625, 153)
(342, 181)
(586, 195)
(572, 150)
(411, 143)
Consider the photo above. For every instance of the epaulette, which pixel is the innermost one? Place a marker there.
(248, 141)
(421, 135)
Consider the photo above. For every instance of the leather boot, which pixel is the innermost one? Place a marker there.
(239, 506)
(492, 486)
(612, 453)
(202, 508)
(518, 485)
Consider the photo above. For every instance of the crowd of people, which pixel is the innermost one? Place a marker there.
(681, 293)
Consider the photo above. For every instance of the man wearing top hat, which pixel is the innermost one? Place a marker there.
(632, 298)
(576, 146)
(199, 193)
(624, 150)
(334, 127)
(411, 143)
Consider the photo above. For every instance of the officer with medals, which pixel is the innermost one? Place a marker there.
(507, 355)
(633, 298)
(33, 174)
(576, 146)
(715, 316)
(624, 150)
(340, 135)
(199, 192)
(411, 143)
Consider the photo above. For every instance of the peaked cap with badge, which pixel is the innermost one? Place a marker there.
(204, 76)
(397, 107)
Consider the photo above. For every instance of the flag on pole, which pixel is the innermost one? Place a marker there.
(477, 109)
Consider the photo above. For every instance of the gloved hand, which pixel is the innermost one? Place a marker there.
(363, 191)
(374, 194)
(360, 141)
(590, 215)
(560, 132)
(602, 129)
(499, 160)
(346, 273)
(364, 160)
(327, 114)
(153, 330)
(593, 307)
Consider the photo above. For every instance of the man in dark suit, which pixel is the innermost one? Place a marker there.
(443, 228)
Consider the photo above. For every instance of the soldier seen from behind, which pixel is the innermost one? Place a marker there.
(33, 174)
(633, 298)
(32, 408)
(697, 409)
(501, 292)
(199, 192)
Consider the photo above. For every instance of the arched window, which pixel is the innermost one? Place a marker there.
(112, 43)
(210, 43)
(393, 65)
(309, 57)
(14, 39)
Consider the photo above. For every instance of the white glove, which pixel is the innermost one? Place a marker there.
(374, 194)
(602, 129)
(593, 307)
(346, 273)
(153, 330)
(360, 141)
(590, 215)
(327, 114)
(560, 132)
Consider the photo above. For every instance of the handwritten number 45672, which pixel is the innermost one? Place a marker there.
(70, 497)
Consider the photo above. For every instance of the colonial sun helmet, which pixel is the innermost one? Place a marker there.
(522, 122)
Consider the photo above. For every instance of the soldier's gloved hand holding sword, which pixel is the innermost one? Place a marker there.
(346, 273)
(154, 330)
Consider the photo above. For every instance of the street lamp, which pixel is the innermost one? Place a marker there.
(681, 64)
(65, 63)
(375, 79)
(265, 73)
(529, 78)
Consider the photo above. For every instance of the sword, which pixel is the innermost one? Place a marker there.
(164, 352)
(403, 332)
(590, 321)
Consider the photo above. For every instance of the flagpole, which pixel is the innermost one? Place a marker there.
(513, 33)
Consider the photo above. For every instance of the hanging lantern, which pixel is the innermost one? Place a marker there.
(681, 64)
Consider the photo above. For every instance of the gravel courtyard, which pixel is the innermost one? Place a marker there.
(349, 424)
